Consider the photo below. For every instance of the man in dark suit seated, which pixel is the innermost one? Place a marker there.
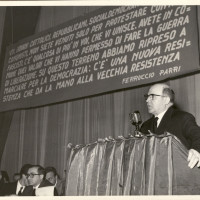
(4, 178)
(38, 186)
(53, 177)
(166, 118)
(17, 187)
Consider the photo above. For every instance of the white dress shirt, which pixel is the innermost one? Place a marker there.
(160, 116)
(19, 187)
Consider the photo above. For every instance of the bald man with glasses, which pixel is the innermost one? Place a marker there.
(166, 118)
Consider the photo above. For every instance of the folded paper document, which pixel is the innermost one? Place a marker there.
(45, 191)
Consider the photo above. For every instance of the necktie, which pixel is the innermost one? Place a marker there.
(20, 191)
(155, 124)
(33, 193)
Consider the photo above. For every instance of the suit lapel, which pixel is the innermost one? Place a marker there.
(165, 121)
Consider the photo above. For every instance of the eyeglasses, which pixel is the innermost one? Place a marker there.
(152, 96)
(31, 175)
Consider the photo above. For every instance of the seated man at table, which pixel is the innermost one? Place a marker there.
(166, 118)
(38, 185)
(53, 177)
(16, 187)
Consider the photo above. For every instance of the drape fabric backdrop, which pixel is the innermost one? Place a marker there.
(152, 165)
(5, 117)
(2, 17)
(41, 135)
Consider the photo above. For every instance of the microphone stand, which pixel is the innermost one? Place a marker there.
(136, 123)
(137, 133)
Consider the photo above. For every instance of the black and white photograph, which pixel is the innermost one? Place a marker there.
(99, 100)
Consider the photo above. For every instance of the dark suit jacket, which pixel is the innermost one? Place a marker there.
(28, 191)
(8, 189)
(60, 187)
(178, 123)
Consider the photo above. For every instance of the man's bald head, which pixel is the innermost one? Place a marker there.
(160, 97)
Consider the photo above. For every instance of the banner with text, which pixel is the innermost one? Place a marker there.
(109, 49)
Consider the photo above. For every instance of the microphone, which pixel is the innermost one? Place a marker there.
(135, 118)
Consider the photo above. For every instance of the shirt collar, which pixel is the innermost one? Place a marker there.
(19, 184)
(55, 183)
(35, 187)
(160, 116)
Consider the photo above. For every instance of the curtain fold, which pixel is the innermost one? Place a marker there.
(5, 117)
(2, 20)
(149, 165)
(5, 122)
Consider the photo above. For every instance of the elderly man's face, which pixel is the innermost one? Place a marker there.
(156, 100)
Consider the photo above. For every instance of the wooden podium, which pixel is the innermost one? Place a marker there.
(150, 165)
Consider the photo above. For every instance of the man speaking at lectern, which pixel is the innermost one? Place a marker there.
(166, 118)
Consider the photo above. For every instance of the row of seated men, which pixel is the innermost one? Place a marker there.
(35, 180)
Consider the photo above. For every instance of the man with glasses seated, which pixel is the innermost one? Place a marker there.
(166, 118)
(38, 186)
